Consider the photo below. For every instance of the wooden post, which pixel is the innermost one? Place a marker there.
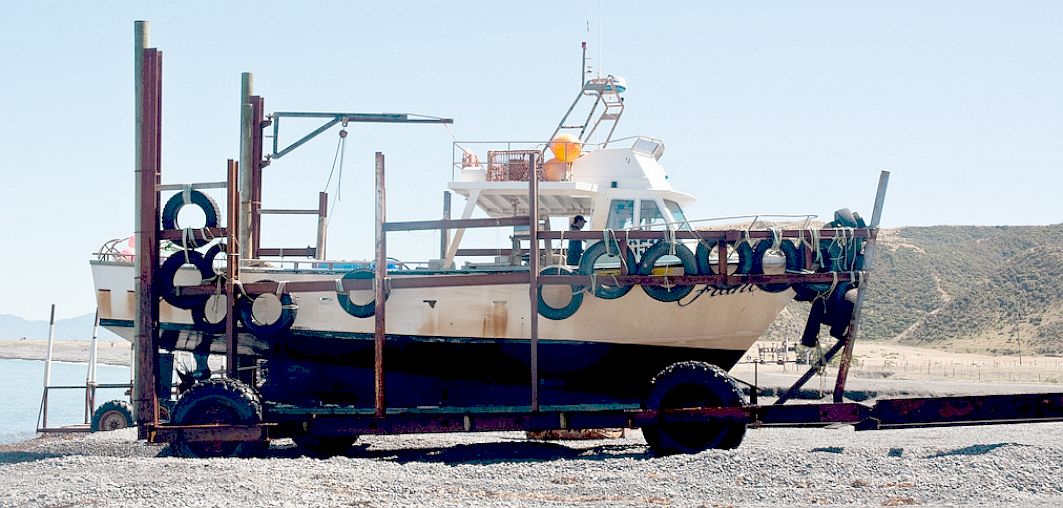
(380, 286)
(444, 233)
(322, 224)
(147, 79)
(854, 323)
(232, 266)
(533, 276)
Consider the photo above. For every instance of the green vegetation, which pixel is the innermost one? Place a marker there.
(994, 289)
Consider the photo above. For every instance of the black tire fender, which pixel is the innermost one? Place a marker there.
(354, 309)
(164, 279)
(794, 262)
(559, 313)
(656, 252)
(597, 250)
(196, 198)
(706, 267)
(284, 322)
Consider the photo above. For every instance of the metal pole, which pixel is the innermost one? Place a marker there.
(258, 105)
(854, 323)
(90, 377)
(444, 233)
(232, 266)
(322, 224)
(379, 287)
(533, 276)
(48, 367)
(246, 173)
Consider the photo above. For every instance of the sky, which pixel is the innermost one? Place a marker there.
(766, 107)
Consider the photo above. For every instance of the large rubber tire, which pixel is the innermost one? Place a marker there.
(164, 279)
(559, 313)
(225, 401)
(245, 309)
(674, 292)
(199, 317)
(323, 447)
(601, 287)
(354, 309)
(195, 198)
(705, 267)
(794, 262)
(689, 385)
(112, 415)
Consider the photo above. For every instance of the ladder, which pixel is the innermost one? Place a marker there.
(606, 93)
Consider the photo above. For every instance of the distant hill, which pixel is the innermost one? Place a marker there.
(75, 328)
(968, 288)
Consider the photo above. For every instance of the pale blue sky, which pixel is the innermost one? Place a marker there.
(765, 107)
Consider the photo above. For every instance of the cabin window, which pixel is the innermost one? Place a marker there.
(621, 214)
(650, 216)
(677, 214)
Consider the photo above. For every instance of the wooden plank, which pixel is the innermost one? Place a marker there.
(381, 279)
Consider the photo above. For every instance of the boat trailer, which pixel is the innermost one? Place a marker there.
(336, 420)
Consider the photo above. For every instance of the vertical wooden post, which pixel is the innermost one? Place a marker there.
(533, 276)
(444, 233)
(322, 224)
(232, 266)
(147, 78)
(380, 286)
(854, 323)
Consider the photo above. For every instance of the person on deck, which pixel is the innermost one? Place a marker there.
(575, 247)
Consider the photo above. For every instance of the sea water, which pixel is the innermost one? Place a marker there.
(22, 384)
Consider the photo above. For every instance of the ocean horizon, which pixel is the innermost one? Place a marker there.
(22, 386)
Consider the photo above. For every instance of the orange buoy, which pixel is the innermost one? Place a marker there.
(565, 147)
(554, 170)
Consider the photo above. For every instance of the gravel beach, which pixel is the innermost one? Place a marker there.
(1013, 465)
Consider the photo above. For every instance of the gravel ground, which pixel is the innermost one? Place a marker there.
(1014, 465)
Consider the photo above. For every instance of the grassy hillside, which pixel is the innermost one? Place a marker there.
(970, 288)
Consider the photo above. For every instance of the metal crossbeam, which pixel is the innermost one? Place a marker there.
(344, 118)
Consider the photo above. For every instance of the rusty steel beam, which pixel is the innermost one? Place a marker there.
(661, 280)
(854, 322)
(308, 252)
(176, 235)
(533, 277)
(485, 252)
(381, 279)
(206, 433)
(965, 410)
(322, 225)
(148, 65)
(419, 225)
(232, 266)
(728, 235)
(824, 360)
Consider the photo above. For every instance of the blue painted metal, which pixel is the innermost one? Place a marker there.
(344, 118)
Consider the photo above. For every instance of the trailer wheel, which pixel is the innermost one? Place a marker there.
(112, 415)
(693, 384)
(225, 401)
(323, 447)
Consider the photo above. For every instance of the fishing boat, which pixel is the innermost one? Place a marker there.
(464, 345)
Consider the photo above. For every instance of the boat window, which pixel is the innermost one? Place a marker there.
(677, 214)
(621, 214)
(650, 216)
